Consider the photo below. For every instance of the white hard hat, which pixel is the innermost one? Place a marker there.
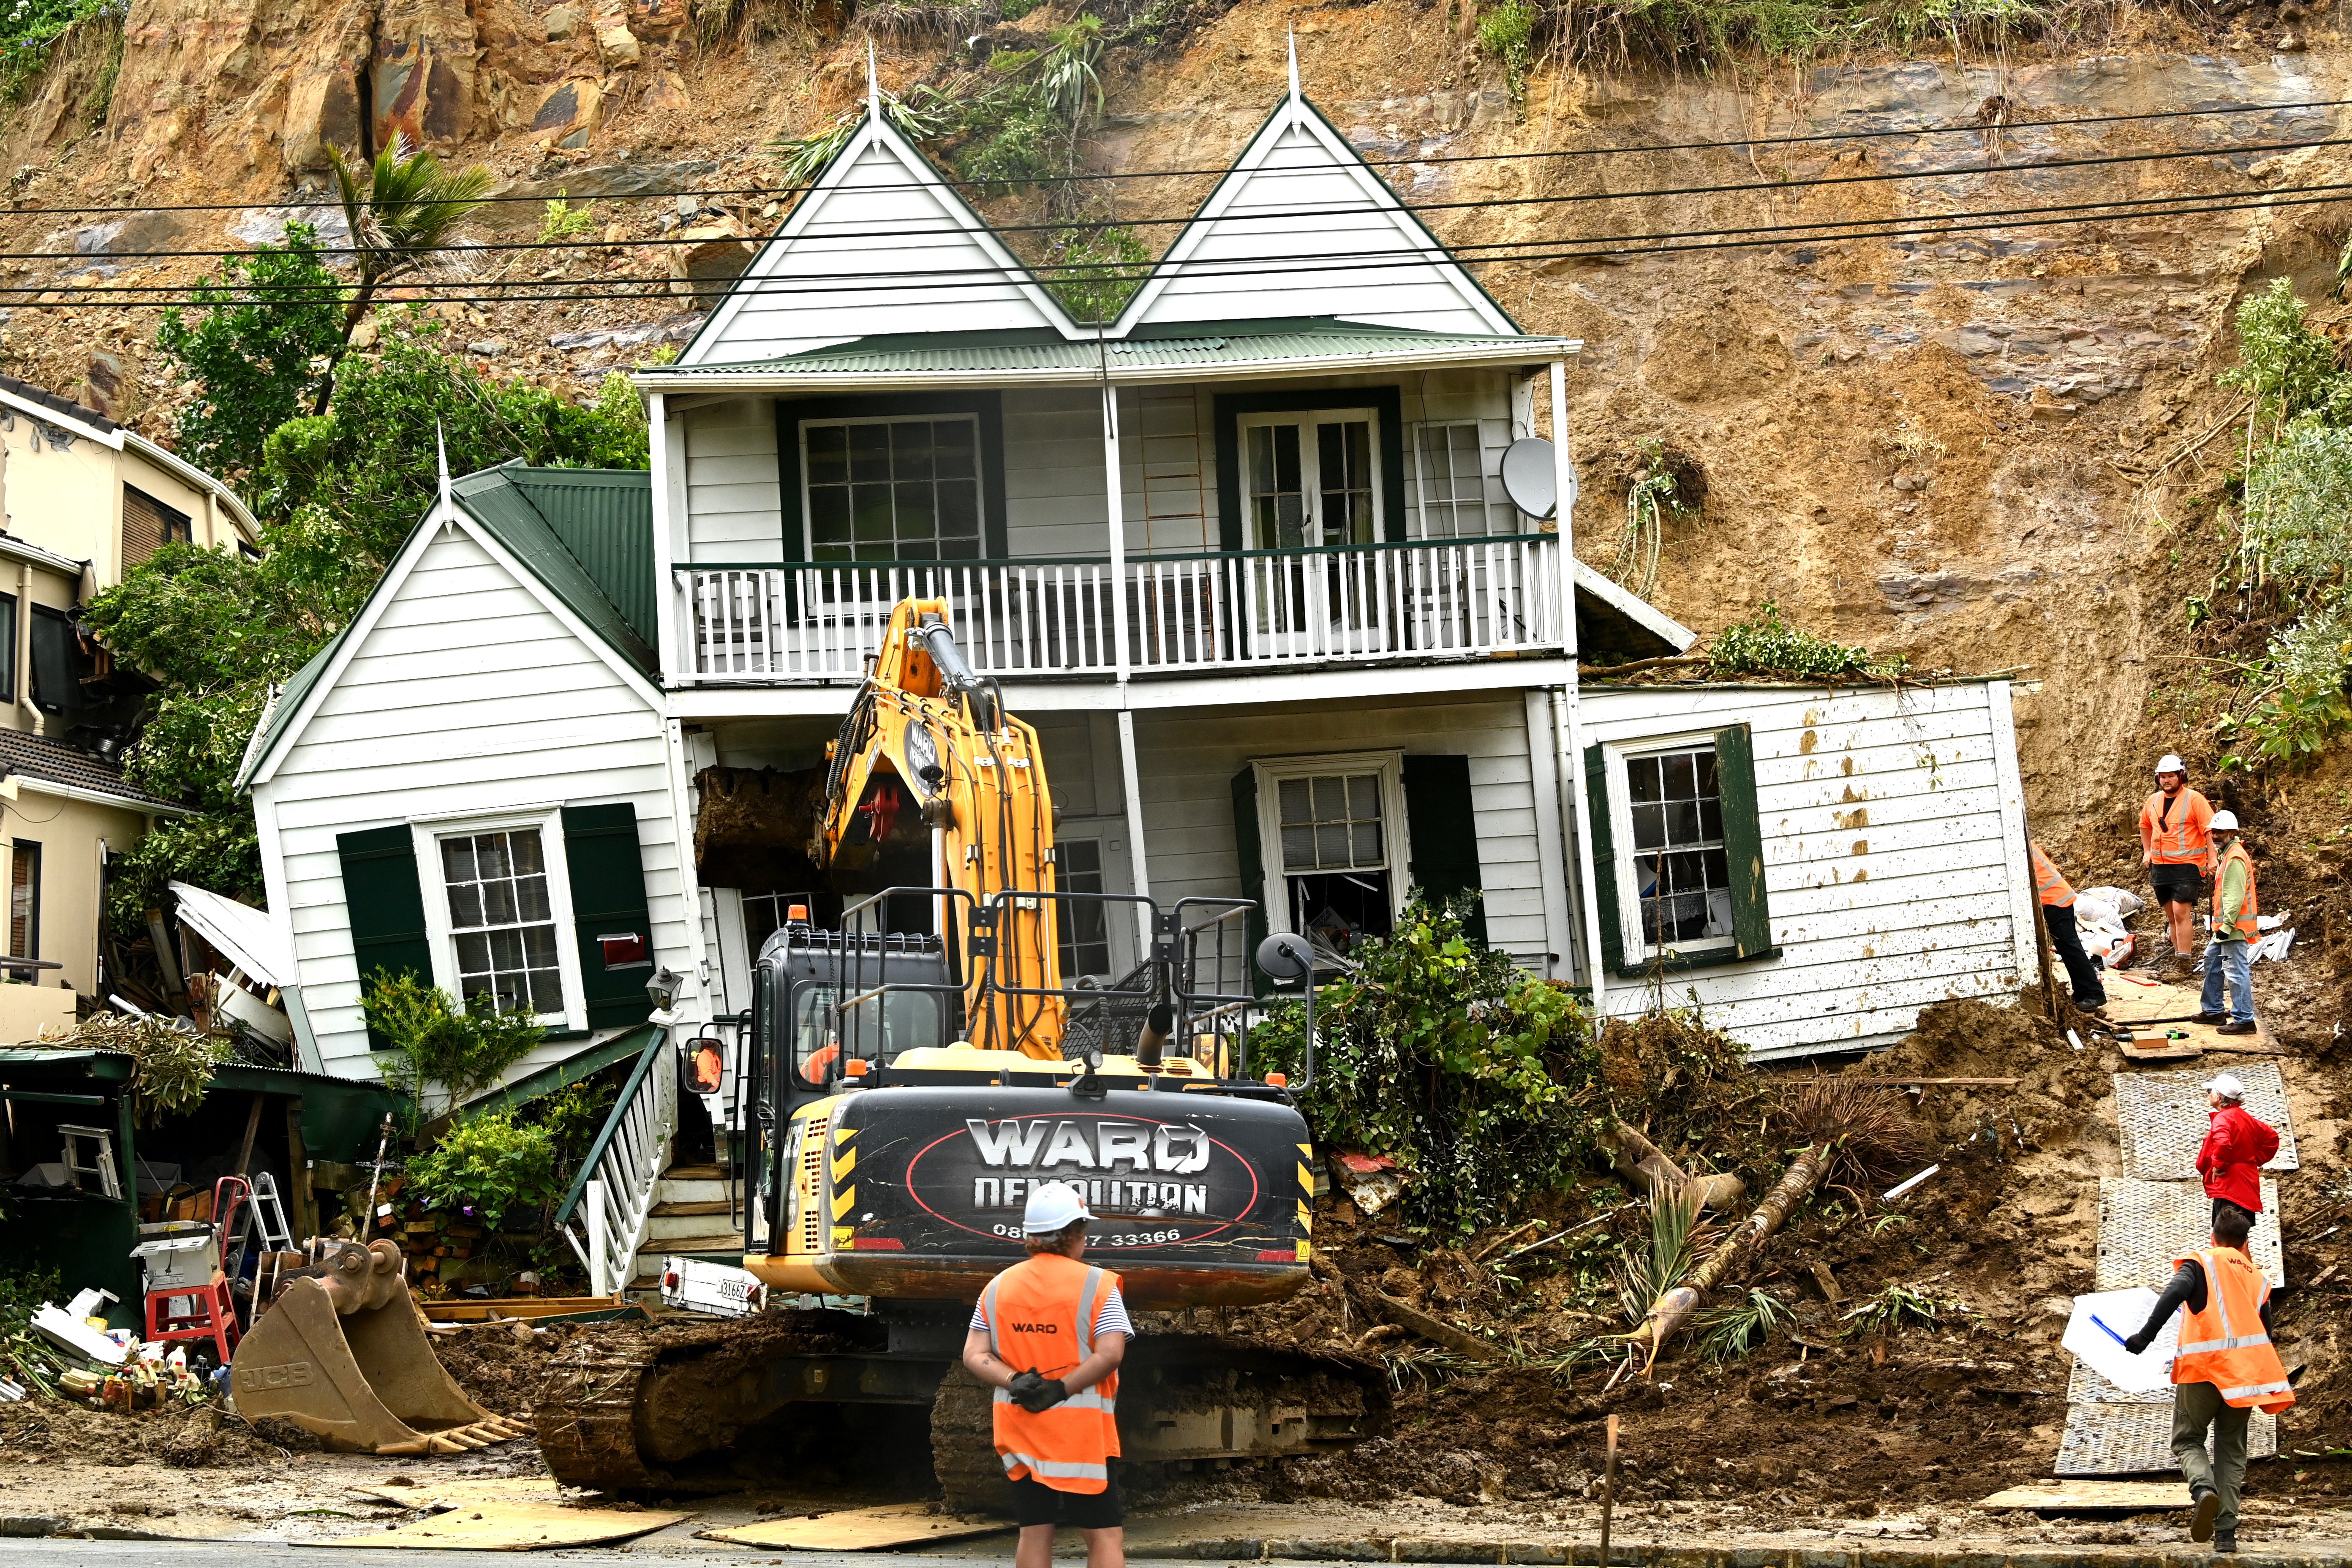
(2226, 1085)
(2169, 764)
(1052, 1206)
(2224, 822)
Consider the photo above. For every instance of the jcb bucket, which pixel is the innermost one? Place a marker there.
(341, 1352)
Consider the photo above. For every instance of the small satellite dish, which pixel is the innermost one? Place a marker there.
(1530, 478)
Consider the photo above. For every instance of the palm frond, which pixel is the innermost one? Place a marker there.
(1736, 1328)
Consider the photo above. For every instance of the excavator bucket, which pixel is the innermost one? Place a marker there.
(346, 1359)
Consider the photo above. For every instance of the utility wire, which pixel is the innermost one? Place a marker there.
(1737, 144)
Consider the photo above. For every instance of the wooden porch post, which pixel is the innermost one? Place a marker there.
(1572, 726)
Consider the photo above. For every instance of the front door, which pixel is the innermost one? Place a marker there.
(1311, 484)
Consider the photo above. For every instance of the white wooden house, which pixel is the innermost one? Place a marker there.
(1245, 557)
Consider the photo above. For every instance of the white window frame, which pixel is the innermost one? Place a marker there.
(979, 470)
(1487, 482)
(1636, 945)
(1310, 466)
(1395, 838)
(427, 833)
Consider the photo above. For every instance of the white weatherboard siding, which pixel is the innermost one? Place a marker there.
(468, 697)
(734, 498)
(1187, 761)
(1894, 850)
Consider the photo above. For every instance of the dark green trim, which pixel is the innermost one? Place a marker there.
(1604, 857)
(646, 1056)
(1442, 826)
(1706, 958)
(1743, 841)
(562, 1075)
(1231, 406)
(608, 899)
(1249, 850)
(35, 1097)
(384, 902)
(792, 413)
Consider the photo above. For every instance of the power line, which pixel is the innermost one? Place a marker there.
(1735, 145)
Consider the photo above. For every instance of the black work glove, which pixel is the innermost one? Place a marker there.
(2139, 1341)
(1035, 1393)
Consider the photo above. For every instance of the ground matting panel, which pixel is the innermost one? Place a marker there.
(2137, 1439)
(2086, 1386)
(2145, 1227)
(2163, 1117)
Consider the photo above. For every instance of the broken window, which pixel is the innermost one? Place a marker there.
(1083, 926)
(1334, 844)
(1680, 871)
(501, 921)
(1678, 851)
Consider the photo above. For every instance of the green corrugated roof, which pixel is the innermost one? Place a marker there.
(587, 534)
(1174, 346)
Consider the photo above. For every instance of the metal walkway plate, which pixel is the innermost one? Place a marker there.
(2086, 1386)
(2145, 1225)
(2137, 1439)
(2164, 1118)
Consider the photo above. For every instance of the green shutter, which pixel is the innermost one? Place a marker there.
(1605, 858)
(1250, 851)
(1743, 840)
(384, 903)
(608, 899)
(1444, 833)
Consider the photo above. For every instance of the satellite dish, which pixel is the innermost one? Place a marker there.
(1530, 477)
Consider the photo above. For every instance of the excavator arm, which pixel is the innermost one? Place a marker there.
(929, 739)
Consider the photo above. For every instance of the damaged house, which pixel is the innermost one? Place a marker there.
(1246, 558)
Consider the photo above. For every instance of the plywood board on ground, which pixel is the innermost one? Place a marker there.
(470, 1491)
(512, 1527)
(859, 1529)
(2164, 1117)
(2133, 1001)
(2093, 1497)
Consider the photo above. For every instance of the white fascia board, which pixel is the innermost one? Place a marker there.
(1634, 608)
(34, 556)
(1515, 350)
(877, 131)
(57, 791)
(165, 458)
(112, 439)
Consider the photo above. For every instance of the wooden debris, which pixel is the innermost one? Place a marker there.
(2093, 1497)
(859, 1529)
(1384, 1307)
(511, 1526)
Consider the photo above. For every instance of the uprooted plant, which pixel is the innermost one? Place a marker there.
(463, 1047)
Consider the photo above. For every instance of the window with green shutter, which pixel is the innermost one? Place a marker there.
(384, 903)
(1678, 852)
(609, 912)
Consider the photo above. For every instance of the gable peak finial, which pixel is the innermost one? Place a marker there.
(441, 460)
(872, 83)
(1294, 64)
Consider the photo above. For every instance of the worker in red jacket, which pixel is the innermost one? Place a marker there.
(2236, 1146)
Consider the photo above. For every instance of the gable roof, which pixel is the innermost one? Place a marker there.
(586, 535)
(1302, 226)
(882, 234)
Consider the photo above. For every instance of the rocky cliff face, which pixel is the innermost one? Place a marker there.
(1966, 438)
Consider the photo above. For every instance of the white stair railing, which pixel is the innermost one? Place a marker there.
(605, 1213)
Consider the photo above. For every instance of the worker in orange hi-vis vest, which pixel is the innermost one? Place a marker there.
(2224, 1369)
(1048, 1334)
(2175, 845)
(2057, 896)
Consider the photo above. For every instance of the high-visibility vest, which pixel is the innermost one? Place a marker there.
(2053, 889)
(2244, 924)
(2226, 1344)
(2183, 836)
(1041, 1317)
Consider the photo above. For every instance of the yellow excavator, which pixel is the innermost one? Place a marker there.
(910, 1075)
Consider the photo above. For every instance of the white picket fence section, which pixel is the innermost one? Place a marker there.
(604, 1216)
(1189, 614)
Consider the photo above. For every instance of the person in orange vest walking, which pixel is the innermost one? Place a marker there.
(1048, 1334)
(2224, 1369)
(2176, 846)
(2057, 896)
(2230, 951)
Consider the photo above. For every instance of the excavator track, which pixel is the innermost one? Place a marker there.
(963, 1446)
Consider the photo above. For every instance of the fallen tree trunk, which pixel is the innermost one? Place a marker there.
(1387, 1308)
(1674, 1308)
(1643, 1165)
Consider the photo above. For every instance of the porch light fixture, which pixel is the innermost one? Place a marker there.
(662, 989)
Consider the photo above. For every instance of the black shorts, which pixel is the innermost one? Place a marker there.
(2176, 884)
(1035, 1502)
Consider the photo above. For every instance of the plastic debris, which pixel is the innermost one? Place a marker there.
(1899, 1188)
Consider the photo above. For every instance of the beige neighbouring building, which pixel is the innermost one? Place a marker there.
(82, 501)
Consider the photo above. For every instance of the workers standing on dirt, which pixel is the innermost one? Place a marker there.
(2224, 1368)
(2231, 950)
(2176, 846)
(2237, 1145)
(1064, 1325)
(2057, 896)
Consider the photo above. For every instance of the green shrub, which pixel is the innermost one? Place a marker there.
(1766, 644)
(1508, 32)
(434, 1041)
(1479, 1079)
(487, 1167)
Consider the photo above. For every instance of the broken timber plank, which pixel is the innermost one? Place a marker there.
(859, 1529)
(511, 1527)
(1928, 1082)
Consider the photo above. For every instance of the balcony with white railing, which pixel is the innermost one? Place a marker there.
(1237, 612)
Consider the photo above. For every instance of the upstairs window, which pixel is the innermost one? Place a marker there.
(148, 525)
(892, 490)
(1310, 479)
(1459, 482)
(7, 647)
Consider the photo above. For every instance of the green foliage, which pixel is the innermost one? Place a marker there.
(30, 31)
(1896, 1306)
(463, 1050)
(1475, 1077)
(563, 221)
(1619, 33)
(1096, 271)
(925, 114)
(1731, 1330)
(403, 210)
(2287, 367)
(1651, 1268)
(258, 352)
(1508, 32)
(1767, 644)
(169, 1068)
(486, 1167)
